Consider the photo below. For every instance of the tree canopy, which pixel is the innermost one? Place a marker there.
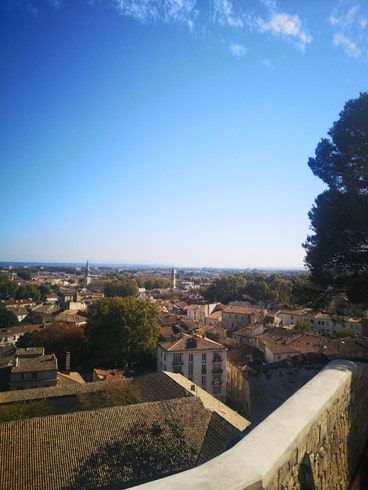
(121, 287)
(8, 318)
(337, 252)
(121, 330)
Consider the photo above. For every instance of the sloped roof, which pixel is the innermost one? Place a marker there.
(108, 447)
(183, 343)
(243, 310)
(41, 363)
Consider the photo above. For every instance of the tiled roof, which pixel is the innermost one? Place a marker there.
(41, 363)
(242, 310)
(151, 387)
(109, 447)
(184, 343)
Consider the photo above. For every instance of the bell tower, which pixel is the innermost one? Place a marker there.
(87, 275)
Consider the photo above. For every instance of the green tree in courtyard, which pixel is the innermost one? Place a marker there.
(121, 330)
(345, 332)
(337, 251)
(8, 318)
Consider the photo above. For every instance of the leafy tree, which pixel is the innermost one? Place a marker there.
(111, 394)
(26, 340)
(25, 274)
(304, 326)
(58, 338)
(123, 287)
(337, 252)
(8, 318)
(226, 288)
(25, 410)
(121, 330)
(8, 288)
(29, 291)
(345, 332)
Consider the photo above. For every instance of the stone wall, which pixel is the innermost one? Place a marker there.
(325, 419)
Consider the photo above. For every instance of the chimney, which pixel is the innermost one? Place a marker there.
(67, 362)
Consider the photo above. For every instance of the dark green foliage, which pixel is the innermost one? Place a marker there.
(337, 252)
(345, 332)
(111, 394)
(226, 288)
(121, 330)
(7, 287)
(271, 288)
(121, 287)
(58, 338)
(29, 291)
(304, 327)
(8, 318)
(25, 274)
(25, 410)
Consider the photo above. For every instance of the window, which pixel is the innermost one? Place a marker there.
(204, 357)
(203, 381)
(177, 369)
(216, 389)
(190, 370)
(217, 368)
(204, 369)
(217, 357)
(177, 359)
(190, 357)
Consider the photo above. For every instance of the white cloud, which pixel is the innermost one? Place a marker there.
(224, 14)
(349, 23)
(349, 46)
(238, 50)
(282, 24)
(168, 11)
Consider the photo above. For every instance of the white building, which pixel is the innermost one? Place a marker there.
(199, 359)
(321, 322)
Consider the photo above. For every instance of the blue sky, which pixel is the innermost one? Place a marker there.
(169, 132)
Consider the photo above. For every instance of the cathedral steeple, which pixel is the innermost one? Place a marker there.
(87, 275)
(173, 278)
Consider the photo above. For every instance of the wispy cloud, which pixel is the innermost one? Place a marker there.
(237, 50)
(349, 46)
(282, 24)
(224, 14)
(167, 11)
(349, 24)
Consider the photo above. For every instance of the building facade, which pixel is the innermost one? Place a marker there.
(33, 369)
(237, 317)
(199, 359)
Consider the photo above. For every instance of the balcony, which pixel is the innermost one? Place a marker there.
(217, 371)
(178, 362)
(217, 358)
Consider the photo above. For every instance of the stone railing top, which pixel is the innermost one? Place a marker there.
(252, 462)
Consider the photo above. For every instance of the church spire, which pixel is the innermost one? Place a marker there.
(87, 275)
(173, 278)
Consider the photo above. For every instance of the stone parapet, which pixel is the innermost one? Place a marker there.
(326, 419)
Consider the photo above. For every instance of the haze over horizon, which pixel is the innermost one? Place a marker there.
(169, 131)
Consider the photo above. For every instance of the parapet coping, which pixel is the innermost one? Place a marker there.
(253, 462)
(210, 402)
